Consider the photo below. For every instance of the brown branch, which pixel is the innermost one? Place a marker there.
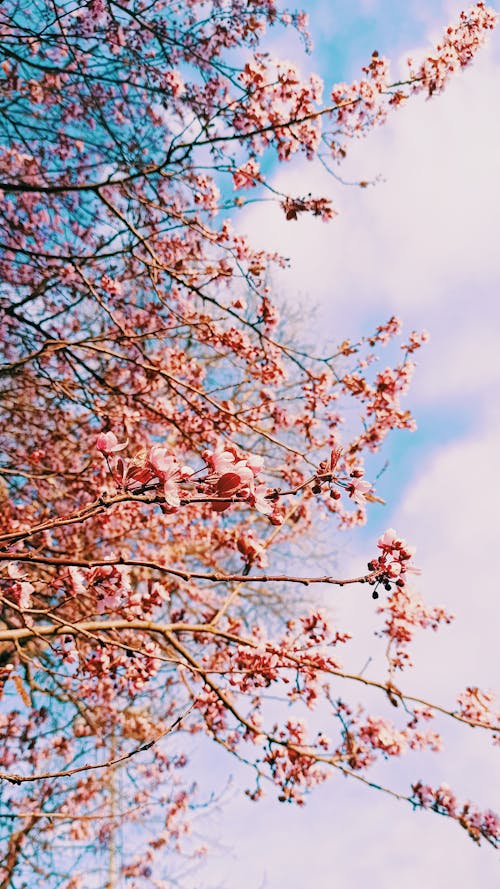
(214, 576)
(23, 779)
(166, 630)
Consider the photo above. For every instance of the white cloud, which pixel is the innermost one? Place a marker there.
(452, 510)
(423, 243)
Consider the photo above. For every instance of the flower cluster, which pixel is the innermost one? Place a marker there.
(394, 563)
(280, 107)
(247, 176)
(479, 825)
(234, 477)
(360, 105)
(252, 549)
(292, 769)
(344, 472)
(230, 477)
(321, 207)
(16, 588)
(404, 609)
(457, 48)
(108, 584)
(363, 741)
(479, 707)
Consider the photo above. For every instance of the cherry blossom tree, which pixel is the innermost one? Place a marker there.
(166, 445)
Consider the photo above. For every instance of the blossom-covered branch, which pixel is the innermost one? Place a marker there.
(174, 443)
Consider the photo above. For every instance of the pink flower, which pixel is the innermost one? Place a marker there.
(107, 443)
(255, 463)
(220, 460)
(169, 472)
(260, 500)
(77, 580)
(394, 569)
(247, 176)
(388, 539)
(112, 287)
(251, 549)
(172, 497)
(164, 464)
(245, 472)
(16, 588)
(358, 489)
(226, 459)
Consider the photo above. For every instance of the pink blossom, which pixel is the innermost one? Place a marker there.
(169, 472)
(112, 287)
(20, 590)
(255, 462)
(251, 549)
(107, 443)
(259, 499)
(457, 48)
(221, 460)
(164, 464)
(247, 176)
(172, 495)
(77, 581)
(358, 489)
(388, 539)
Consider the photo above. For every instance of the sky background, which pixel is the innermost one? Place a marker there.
(423, 244)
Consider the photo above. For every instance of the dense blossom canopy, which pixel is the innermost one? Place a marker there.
(165, 443)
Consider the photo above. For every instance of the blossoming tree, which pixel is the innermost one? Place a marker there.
(165, 445)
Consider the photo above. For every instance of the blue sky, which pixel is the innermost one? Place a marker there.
(423, 244)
